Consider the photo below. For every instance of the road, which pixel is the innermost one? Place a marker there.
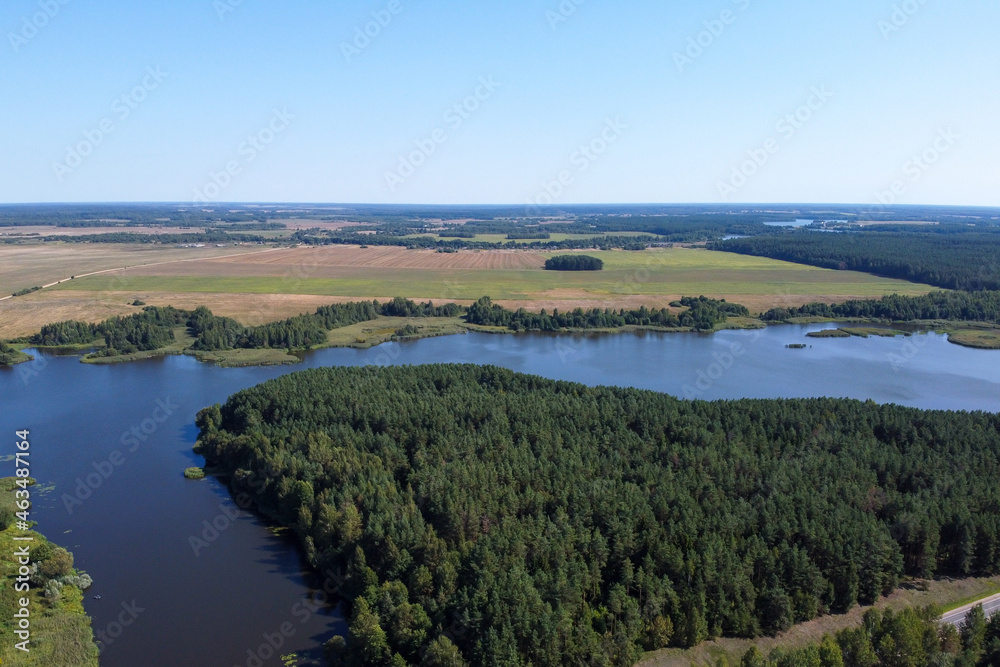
(991, 605)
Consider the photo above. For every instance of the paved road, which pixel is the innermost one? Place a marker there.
(991, 605)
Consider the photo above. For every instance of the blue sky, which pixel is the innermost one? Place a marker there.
(261, 100)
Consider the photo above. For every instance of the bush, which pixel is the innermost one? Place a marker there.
(59, 564)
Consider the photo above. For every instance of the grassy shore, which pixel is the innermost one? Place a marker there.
(983, 339)
(60, 629)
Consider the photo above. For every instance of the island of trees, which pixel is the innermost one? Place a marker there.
(479, 516)
(574, 263)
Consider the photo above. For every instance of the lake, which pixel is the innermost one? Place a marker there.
(200, 582)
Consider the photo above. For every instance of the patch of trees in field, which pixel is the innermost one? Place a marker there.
(967, 261)
(911, 637)
(701, 314)
(574, 263)
(982, 306)
(514, 519)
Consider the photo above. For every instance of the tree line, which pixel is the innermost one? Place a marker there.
(702, 314)
(965, 261)
(303, 331)
(506, 519)
(464, 241)
(152, 329)
(982, 306)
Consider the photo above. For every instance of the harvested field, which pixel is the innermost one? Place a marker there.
(317, 261)
(23, 266)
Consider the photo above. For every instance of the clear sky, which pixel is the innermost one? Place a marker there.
(261, 100)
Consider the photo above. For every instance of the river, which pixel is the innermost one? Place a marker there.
(187, 578)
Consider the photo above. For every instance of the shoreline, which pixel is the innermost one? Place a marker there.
(385, 329)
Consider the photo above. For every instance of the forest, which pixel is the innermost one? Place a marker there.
(700, 314)
(574, 263)
(983, 306)
(965, 261)
(512, 520)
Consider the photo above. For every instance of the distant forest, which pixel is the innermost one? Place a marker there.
(479, 516)
(983, 306)
(961, 261)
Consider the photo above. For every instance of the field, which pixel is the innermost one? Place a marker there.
(277, 283)
(948, 594)
(24, 266)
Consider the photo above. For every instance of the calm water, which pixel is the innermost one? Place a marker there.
(131, 527)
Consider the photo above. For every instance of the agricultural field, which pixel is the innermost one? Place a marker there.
(25, 266)
(277, 283)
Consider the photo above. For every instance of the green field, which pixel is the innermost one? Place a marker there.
(653, 273)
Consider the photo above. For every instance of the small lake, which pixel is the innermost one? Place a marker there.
(202, 583)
